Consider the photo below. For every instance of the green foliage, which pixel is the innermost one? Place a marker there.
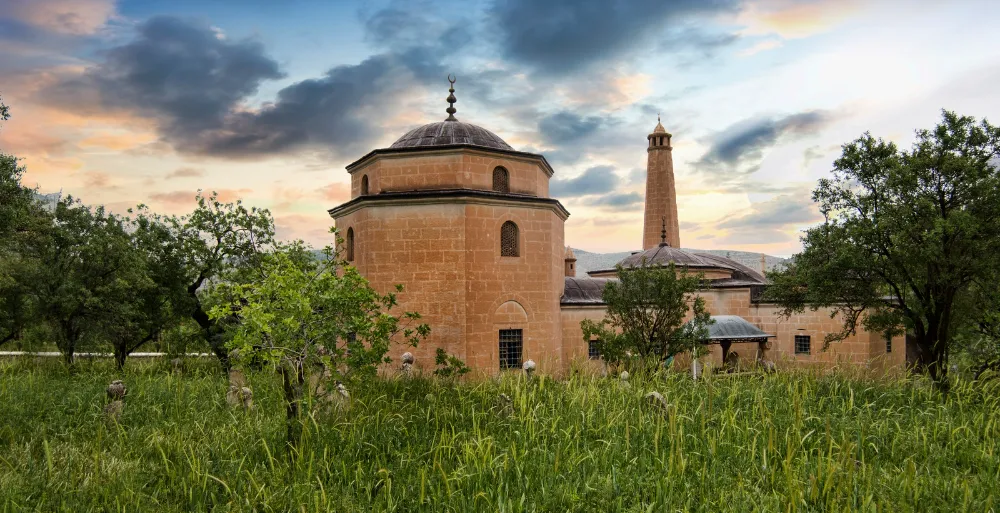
(906, 237)
(449, 365)
(783, 442)
(218, 242)
(645, 314)
(302, 314)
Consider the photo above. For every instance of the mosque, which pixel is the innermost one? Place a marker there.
(465, 222)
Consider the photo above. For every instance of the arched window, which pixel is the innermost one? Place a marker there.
(350, 245)
(364, 185)
(501, 180)
(508, 240)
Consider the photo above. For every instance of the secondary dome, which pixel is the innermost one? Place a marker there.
(445, 133)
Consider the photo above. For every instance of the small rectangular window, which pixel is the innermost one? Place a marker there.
(511, 345)
(594, 349)
(888, 343)
(803, 344)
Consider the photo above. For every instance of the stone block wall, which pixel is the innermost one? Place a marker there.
(454, 169)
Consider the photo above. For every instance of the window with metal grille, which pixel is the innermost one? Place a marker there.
(511, 344)
(888, 343)
(594, 349)
(364, 185)
(803, 344)
(350, 245)
(501, 180)
(508, 240)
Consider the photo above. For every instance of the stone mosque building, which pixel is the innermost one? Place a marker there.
(465, 222)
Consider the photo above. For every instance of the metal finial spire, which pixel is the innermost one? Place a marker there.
(657, 117)
(663, 232)
(451, 99)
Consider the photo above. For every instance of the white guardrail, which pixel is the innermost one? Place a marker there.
(95, 355)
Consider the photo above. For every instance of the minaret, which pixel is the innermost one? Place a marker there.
(661, 195)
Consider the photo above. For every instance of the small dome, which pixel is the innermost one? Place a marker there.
(659, 128)
(663, 255)
(569, 253)
(445, 133)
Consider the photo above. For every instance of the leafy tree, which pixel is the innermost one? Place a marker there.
(218, 242)
(156, 298)
(21, 219)
(645, 314)
(907, 233)
(296, 309)
(85, 268)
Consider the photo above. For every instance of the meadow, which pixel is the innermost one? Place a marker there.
(790, 441)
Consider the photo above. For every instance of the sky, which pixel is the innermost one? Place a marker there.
(128, 102)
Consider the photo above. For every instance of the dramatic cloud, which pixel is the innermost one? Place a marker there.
(745, 142)
(596, 180)
(196, 85)
(561, 36)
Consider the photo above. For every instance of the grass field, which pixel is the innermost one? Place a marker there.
(777, 443)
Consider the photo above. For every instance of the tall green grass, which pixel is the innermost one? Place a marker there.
(786, 442)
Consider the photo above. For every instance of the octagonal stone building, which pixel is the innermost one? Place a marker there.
(466, 224)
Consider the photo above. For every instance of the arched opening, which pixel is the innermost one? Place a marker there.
(501, 179)
(509, 240)
(350, 245)
(364, 185)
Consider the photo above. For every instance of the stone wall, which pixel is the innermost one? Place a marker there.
(447, 256)
(452, 169)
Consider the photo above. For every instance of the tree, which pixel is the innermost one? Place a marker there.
(906, 235)
(156, 298)
(305, 315)
(218, 242)
(85, 267)
(645, 314)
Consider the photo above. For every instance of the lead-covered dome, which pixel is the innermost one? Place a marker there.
(446, 133)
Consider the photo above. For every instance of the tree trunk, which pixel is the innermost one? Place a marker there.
(120, 355)
(292, 381)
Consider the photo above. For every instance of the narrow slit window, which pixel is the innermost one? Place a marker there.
(803, 344)
(888, 343)
(501, 180)
(511, 347)
(508, 240)
(364, 185)
(350, 245)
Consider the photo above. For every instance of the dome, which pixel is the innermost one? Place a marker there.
(446, 133)
(664, 255)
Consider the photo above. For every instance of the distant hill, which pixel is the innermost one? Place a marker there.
(587, 261)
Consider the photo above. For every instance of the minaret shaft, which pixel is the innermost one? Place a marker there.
(661, 194)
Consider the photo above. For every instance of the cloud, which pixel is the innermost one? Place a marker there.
(566, 126)
(619, 201)
(793, 19)
(72, 17)
(196, 87)
(780, 212)
(596, 180)
(185, 172)
(746, 141)
(562, 36)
